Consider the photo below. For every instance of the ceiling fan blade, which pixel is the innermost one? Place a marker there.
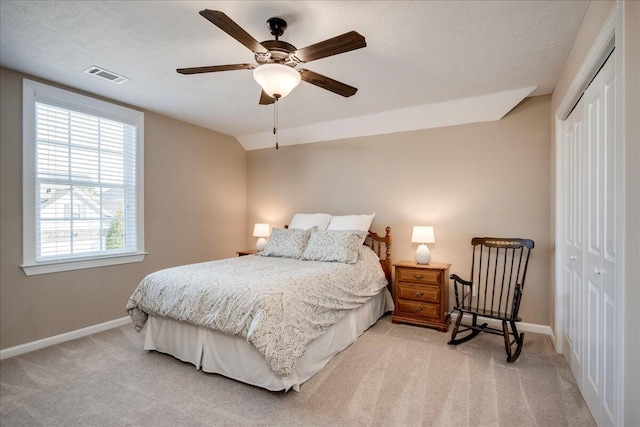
(327, 83)
(225, 23)
(214, 68)
(266, 99)
(340, 44)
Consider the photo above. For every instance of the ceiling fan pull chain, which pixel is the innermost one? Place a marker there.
(275, 120)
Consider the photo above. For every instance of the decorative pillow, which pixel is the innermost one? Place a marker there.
(334, 245)
(306, 221)
(287, 243)
(352, 222)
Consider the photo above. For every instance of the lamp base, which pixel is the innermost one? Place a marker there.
(260, 244)
(423, 255)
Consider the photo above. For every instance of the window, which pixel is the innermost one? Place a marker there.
(82, 181)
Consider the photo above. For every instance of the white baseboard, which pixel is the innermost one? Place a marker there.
(67, 336)
(522, 326)
(79, 333)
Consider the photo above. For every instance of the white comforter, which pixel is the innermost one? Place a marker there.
(280, 305)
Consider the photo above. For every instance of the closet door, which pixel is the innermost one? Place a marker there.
(573, 247)
(590, 242)
(600, 257)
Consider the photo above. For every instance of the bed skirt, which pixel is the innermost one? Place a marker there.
(232, 356)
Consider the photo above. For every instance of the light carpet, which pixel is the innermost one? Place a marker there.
(394, 375)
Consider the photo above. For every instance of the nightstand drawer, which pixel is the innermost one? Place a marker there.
(417, 309)
(415, 292)
(429, 277)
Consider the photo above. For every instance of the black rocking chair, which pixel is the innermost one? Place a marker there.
(498, 271)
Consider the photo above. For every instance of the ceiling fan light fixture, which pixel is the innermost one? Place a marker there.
(277, 80)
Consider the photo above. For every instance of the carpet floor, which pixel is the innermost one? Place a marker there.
(394, 375)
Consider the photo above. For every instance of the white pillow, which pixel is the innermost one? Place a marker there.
(306, 221)
(351, 222)
(334, 245)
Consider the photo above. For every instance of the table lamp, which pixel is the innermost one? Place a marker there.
(423, 235)
(261, 231)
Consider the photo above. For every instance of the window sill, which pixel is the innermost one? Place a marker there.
(80, 264)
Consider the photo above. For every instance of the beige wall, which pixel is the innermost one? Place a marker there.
(472, 180)
(195, 207)
(594, 19)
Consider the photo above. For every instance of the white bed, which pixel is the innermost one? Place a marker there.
(194, 327)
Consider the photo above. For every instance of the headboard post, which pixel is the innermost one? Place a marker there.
(387, 258)
(386, 240)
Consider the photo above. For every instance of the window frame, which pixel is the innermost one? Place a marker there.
(33, 92)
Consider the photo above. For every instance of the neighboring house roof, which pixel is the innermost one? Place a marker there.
(89, 200)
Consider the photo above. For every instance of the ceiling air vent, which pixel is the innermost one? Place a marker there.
(107, 75)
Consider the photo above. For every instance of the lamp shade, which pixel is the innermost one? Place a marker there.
(261, 230)
(277, 80)
(423, 235)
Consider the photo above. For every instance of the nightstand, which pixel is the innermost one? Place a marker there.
(247, 252)
(421, 294)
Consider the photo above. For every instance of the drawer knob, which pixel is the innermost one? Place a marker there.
(418, 294)
(418, 276)
(417, 308)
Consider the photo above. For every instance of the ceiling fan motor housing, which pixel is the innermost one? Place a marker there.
(279, 52)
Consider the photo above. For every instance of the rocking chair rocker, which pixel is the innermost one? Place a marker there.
(498, 271)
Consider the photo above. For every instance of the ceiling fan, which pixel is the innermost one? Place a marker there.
(277, 59)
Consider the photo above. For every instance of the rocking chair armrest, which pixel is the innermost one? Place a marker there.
(459, 280)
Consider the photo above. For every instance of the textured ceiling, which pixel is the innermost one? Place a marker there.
(418, 53)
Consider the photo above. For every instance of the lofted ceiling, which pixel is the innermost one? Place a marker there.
(426, 64)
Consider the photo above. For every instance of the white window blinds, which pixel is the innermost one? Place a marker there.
(85, 184)
(82, 181)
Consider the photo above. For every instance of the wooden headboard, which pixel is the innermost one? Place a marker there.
(382, 247)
